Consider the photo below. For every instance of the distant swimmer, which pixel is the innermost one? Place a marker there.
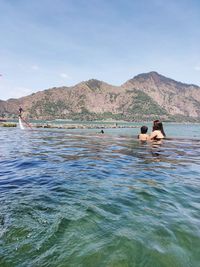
(101, 132)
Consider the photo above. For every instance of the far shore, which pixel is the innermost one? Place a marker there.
(83, 125)
(77, 125)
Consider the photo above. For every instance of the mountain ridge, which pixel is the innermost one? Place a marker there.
(156, 74)
(145, 96)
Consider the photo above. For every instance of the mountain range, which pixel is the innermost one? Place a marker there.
(147, 96)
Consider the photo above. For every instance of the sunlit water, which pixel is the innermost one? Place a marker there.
(78, 198)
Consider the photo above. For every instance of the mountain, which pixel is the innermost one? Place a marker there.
(145, 97)
(175, 97)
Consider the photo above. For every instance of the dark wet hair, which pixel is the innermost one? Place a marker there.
(144, 129)
(155, 122)
(157, 125)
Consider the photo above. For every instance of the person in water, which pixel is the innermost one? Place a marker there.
(158, 131)
(160, 125)
(20, 111)
(143, 136)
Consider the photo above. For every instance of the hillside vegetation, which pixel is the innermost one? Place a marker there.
(144, 97)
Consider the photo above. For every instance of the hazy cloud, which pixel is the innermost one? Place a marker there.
(35, 67)
(64, 75)
(21, 91)
(197, 68)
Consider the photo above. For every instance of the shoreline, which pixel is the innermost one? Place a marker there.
(86, 124)
(70, 126)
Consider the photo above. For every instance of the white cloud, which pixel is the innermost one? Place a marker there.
(35, 67)
(21, 91)
(197, 68)
(64, 75)
(17, 92)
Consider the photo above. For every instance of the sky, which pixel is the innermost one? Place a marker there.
(52, 43)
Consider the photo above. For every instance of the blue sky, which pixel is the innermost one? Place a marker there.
(47, 43)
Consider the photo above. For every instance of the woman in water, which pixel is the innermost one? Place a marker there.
(158, 131)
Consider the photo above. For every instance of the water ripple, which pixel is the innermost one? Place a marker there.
(71, 199)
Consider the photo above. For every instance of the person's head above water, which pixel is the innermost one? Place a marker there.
(158, 126)
(144, 129)
(155, 122)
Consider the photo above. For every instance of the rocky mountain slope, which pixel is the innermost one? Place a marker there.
(174, 97)
(145, 97)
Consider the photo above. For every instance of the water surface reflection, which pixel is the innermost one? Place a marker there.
(83, 199)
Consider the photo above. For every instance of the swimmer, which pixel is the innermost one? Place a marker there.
(143, 136)
(158, 132)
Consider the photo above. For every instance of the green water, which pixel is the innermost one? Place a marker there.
(78, 198)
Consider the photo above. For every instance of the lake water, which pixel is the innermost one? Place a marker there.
(78, 198)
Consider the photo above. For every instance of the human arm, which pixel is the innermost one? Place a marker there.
(153, 135)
